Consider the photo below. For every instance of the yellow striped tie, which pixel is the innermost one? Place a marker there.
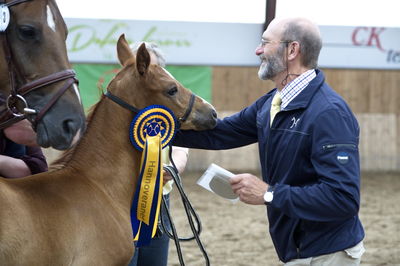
(275, 106)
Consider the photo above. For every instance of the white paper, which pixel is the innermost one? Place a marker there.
(216, 180)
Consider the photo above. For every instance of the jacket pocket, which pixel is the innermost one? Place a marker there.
(339, 145)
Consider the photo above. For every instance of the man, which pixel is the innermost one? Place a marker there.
(308, 141)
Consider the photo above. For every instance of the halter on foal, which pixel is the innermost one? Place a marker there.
(35, 72)
(80, 214)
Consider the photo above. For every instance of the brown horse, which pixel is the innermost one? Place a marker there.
(80, 213)
(35, 72)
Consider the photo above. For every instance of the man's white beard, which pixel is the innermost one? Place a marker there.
(270, 67)
(262, 71)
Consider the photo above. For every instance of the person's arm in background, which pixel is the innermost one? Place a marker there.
(35, 160)
(12, 168)
(19, 160)
(180, 157)
(21, 133)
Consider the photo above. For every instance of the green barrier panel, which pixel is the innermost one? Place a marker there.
(95, 77)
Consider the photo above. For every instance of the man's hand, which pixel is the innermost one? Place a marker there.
(249, 188)
(21, 133)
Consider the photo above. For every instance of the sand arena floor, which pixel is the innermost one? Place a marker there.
(237, 234)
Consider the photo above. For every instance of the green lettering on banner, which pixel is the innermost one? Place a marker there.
(93, 76)
(84, 36)
(148, 37)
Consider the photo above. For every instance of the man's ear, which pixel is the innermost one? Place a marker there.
(293, 50)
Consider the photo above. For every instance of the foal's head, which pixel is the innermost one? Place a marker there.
(146, 84)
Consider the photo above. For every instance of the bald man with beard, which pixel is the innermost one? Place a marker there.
(308, 145)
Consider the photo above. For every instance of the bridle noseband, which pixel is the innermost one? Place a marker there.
(188, 110)
(126, 105)
(15, 99)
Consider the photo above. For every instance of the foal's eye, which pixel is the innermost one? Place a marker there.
(27, 32)
(172, 91)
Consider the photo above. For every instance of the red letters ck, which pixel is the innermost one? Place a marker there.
(367, 37)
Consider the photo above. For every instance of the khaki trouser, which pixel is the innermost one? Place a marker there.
(348, 257)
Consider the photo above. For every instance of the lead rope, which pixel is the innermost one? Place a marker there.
(190, 213)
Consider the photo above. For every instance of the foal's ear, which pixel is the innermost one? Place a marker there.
(142, 59)
(123, 50)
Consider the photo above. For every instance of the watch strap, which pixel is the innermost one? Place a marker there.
(270, 190)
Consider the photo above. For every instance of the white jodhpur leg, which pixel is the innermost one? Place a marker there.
(348, 257)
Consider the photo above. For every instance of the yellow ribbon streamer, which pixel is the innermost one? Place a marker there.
(152, 168)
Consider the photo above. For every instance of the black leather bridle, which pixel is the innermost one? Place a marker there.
(126, 105)
(13, 114)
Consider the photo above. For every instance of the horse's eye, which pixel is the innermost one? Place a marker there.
(27, 32)
(172, 91)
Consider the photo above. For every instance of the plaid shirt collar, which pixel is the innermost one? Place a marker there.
(291, 90)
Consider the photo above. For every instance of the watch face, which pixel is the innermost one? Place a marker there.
(268, 196)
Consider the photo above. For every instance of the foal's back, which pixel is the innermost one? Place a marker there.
(58, 219)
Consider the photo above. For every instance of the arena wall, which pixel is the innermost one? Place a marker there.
(373, 95)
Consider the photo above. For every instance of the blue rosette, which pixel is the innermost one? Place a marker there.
(150, 121)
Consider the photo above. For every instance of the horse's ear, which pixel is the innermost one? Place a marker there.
(142, 59)
(123, 50)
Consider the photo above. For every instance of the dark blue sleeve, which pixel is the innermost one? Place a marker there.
(231, 132)
(13, 149)
(335, 158)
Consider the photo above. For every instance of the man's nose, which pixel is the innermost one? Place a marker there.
(259, 50)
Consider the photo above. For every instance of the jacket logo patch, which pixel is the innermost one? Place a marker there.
(342, 157)
(294, 122)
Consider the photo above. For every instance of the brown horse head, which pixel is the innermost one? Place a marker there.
(40, 72)
(151, 84)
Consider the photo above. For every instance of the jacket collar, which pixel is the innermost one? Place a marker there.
(303, 99)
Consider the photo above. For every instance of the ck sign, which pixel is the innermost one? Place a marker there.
(365, 36)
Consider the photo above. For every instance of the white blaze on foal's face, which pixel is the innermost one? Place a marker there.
(50, 19)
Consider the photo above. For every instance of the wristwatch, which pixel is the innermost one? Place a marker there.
(269, 195)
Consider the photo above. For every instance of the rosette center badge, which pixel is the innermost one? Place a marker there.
(152, 121)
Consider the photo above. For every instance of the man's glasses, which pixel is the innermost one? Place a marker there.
(265, 42)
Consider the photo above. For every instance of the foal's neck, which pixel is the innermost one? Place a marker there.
(105, 155)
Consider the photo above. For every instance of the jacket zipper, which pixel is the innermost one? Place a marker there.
(333, 146)
(269, 136)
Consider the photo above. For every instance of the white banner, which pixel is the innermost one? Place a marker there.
(204, 43)
(360, 47)
(184, 43)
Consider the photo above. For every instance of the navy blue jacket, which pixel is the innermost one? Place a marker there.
(310, 155)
